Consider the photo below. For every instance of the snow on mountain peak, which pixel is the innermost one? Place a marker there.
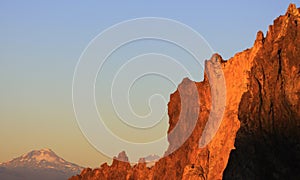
(40, 155)
(44, 158)
(44, 155)
(39, 164)
(46, 150)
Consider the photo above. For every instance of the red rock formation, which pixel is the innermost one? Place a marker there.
(262, 105)
(268, 142)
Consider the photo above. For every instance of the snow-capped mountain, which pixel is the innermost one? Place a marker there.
(38, 164)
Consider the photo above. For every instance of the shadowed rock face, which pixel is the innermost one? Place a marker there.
(261, 117)
(268, 141)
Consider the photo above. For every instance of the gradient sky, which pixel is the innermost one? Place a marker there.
(40, 44)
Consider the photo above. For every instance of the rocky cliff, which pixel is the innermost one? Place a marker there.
(259, 135)
(268, 141)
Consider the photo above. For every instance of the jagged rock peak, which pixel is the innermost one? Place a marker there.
(216, 58)
(259, 38)
(142, 160)
(122, 157)
(292, 10)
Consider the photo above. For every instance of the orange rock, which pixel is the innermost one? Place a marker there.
(261, 117)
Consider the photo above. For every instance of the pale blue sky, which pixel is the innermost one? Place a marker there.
(40, 43)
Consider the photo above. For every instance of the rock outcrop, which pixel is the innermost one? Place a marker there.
(268, 141)
(259, 135)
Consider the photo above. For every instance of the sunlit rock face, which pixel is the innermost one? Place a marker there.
(258, 135)
(268, 141)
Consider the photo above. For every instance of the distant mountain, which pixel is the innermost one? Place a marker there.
(38, 164)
